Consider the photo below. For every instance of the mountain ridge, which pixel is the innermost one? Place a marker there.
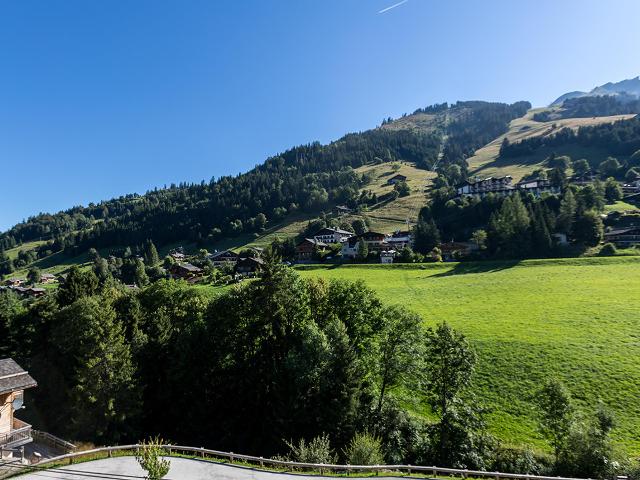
(628, 87)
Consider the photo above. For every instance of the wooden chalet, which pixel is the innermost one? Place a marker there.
(307, 247)
(397, 179)
(249, 265)
(623, 237)
(222, 258)
(185, 271)
(13, 382)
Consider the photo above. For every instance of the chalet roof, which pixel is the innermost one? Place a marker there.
(313, 241)
(47, 275)
(189, 267)
(622, 231)
(225, 253)
(13, 377)
(331, 231)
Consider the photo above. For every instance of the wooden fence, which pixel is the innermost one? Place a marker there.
(260, 462)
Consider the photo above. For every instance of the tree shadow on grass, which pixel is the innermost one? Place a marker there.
(465, 268)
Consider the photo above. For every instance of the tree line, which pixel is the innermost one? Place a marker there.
(304, 369)
(309, 178)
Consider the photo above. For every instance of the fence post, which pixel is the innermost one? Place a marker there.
(230, 457)
(261, 462)
(22, 454)
(202, 450)
(434, 472)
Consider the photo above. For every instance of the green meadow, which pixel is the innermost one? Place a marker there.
(575, 319)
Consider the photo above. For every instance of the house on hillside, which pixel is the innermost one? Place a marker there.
(332, 235)
(397, 179)
(340, 210)
(400, 239)
(224, 258)
(623, 237)
(307, 247)
(14, 381)
(249, 265)
(537, 187)
(47, 278)
(482, 187)
(375, 242)
(387, 256)
(185, 271)
(456, 250)
(15, 282)
(29, 291)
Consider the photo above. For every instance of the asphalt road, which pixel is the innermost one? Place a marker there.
(126, 468)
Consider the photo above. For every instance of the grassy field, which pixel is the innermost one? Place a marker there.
(486, 161)
(576, 319)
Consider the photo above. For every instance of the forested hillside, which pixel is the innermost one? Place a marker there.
(309, 178)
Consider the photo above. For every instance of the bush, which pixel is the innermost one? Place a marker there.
(364, 449)
(608, 250)
(317, 450)
(511, 460)
(150, 459)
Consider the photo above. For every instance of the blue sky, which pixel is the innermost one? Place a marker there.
(103, 98)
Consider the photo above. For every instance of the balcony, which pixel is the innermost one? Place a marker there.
(19, 435)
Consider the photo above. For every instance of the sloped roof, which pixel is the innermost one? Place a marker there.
(13, 377)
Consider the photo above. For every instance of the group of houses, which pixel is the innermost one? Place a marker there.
(242, 265)
(387, 246)
(21, 287)
(504, 186)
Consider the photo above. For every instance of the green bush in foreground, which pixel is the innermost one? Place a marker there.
(150, 459)
(364, 449)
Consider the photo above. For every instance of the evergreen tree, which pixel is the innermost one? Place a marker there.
(103, 395)
(363, 250)
(588, 228)
(612, 190)
(426, 236)
(78, 284)
(34, 275)
(151, 254)
(567, 213)
(509, 229)
(556, 415)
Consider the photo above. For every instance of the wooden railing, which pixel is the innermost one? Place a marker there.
(21, 432)
(321, 468)
(53, 441)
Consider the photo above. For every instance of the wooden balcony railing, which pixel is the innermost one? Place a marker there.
(19, 435)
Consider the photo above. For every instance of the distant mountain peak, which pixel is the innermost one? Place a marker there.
(629, 88)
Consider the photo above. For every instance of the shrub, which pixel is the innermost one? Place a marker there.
(608, 250)
(364, 449)
(512, 460)
(317, 450)
(150, 459)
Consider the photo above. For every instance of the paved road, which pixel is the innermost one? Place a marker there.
(126, 468)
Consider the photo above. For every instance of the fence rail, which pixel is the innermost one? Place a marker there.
(53, 441)
(297, 466)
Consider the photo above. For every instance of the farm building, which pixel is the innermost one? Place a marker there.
(397, 179)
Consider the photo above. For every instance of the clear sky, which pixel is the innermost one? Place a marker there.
(103, 98)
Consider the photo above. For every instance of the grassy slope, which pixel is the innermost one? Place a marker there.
(485, 162)
(574, 318)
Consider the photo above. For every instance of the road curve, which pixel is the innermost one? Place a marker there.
(127, 468)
